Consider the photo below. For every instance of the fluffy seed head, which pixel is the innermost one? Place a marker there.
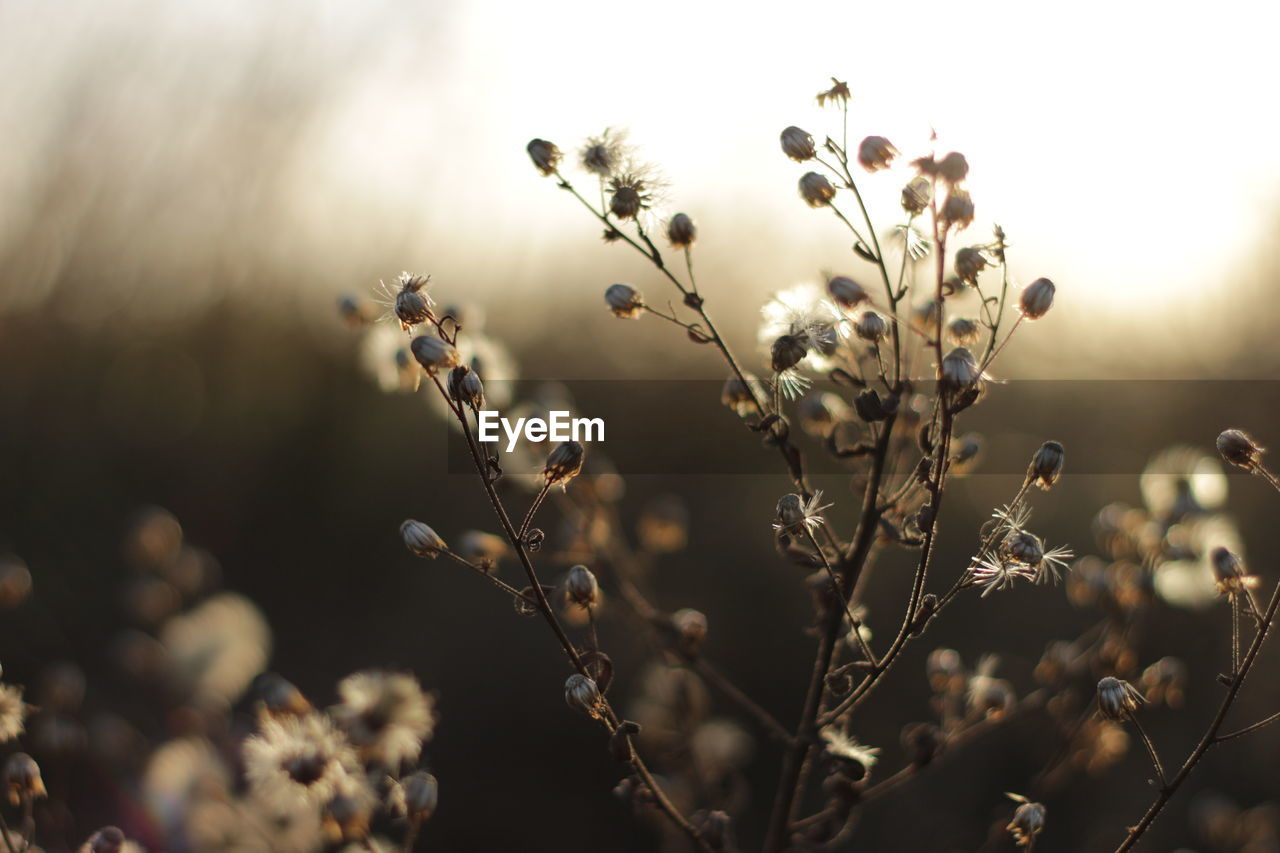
(953, 168)
(963, 331)
(630, 195)
(681, 231)
(797, 144)
(563, 463)
(1117, 698)
(582, 694)
(876, 153)
(871, 326)
(957, 210)
(421, 539)
(602, 155)
(1037, 299)
(846, 292)
(582, 587)
(1239, 448)
(386, 715)
(624, 301)
(433, 353)
(916, 195)
(1046, 465)
(960, 369)
(545, 155)
(816, 190)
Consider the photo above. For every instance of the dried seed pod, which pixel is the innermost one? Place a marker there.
(787, 351)
(582, 694)
(624, 301)
(563, 463)
(797, 144)
(876, 153)
(433, 353)
(1046, 465)
(953, 168)
(681, 231)
(581, 586)
(464, 386)
(957, 211)
(969, 262)
(846, 292)
(871, 327)
(816, 190)
(916, 195)
(1117, 698)
(1027, 823)
(22, 780)
(1239, 448)
(1037, 299)
(963, 332)
(421, 539)
(545, 155)
(959, 370)
(421, 795)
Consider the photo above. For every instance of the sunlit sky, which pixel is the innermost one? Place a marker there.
(1127, 148)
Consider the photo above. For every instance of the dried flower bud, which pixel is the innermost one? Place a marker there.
(787, 351)
(816, 190)
(969, 262)
(797, 144)
(953, 168)
(959, 370)
(876, 153)
(582, 694)
(278, 697)
(412, 305)
(421, 795)
(1239, 448)
(962, 331)
(691, 629)
(464, 386)
(22, 778)
(846, 292)
(421, 539)
(624, 301)
(582, 587)
(1117, 698)
(681, 231)
(1022, 547)
(916, 195)
(545, 155)
(563, 463)
(109, 839)
(871, 326)
(1037, 299)
(1046, 465)
(790, 511)
(1227, 568)
(1027, 823)
(433, 353)
(957, 210)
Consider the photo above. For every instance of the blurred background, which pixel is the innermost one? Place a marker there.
(188, 188)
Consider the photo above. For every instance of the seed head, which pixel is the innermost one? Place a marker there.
(582, 694)
(464, 386)
(1239, 448)
(795, 513)
(916, 195)
(386, 715)
(962, 331)
(1023, 547)
(433, 353)
(969, 262)
(563, 463)
(681, 231)
(545, 155)
(1117, 698)
(953, 168)
(816, 190)
(957, 210)
(846, 292)
(1046, 465)
(797, 144)
(412, 303)
(1037, 299)
(871, 327)
(631, 194)
(787, 351)
(582, 587)
(876, 153)
(421, 539)
(22, 779)
(1027, 823)
(624, 301)
(602, 155)
(960, 370)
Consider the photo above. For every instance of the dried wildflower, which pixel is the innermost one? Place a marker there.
(22, 779)
(624, 301)
(797, 144)
(1239, 448)
(582, 694)
(604, 154)
(1046, 465)
(581, 586)
(843, 748)
(1028, 821)
(1117, 698)
(563, 463)
(13, 712)
(963, 331)
(953, 168)
(682, 233)
(846, 292)
(434, 354)
(871, 327)
(838, 94)
(416, 796)
(969, 262)
(412, 304)
(876, 153)
(959, 370)
(1037, 299)
(957, 210)
(545, 155)
(816, 190)
(421, 539)
(916, 195)
(293, 758)
(387, 716)
(796, 513)
(631, 193)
